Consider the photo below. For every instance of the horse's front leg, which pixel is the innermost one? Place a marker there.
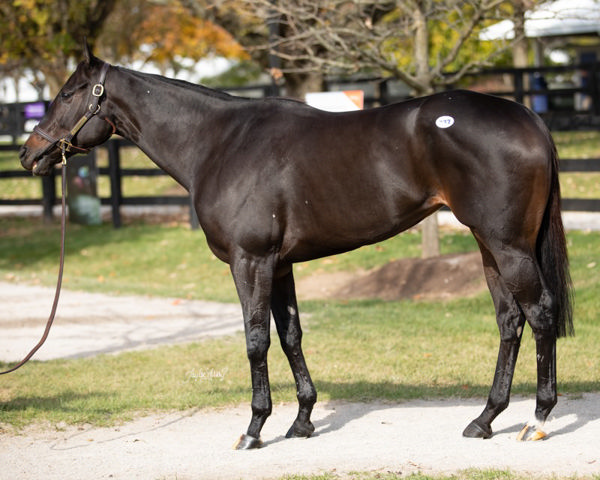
(253, 279)
(285, 311)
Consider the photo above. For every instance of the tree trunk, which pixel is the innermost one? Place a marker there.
(521, 47)
(297, 85)
(55, 73)
(430, 244)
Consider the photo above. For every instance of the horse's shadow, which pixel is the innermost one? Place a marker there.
(569, 412)
(570, 415)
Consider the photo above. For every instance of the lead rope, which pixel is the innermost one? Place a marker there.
(63, 229)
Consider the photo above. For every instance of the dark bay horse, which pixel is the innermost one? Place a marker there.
(276, 182)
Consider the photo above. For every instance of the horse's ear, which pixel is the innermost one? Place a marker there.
(87, 51)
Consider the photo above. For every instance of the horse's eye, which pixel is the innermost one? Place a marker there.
(65, 94)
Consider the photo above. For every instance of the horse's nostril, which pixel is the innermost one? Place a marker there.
(23, 156)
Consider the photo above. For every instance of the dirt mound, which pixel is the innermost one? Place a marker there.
(443, 277)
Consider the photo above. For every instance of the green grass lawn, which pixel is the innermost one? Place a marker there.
(356, 350)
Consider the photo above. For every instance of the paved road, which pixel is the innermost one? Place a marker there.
(90, 323)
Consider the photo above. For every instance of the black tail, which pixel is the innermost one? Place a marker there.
(552, 255)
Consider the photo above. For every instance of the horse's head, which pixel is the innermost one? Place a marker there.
(73, 122)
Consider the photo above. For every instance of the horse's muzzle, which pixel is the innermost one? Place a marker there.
(39, 162)
(26, 160)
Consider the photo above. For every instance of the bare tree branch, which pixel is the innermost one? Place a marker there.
(416, 41)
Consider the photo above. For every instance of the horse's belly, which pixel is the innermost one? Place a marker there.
(340, 227)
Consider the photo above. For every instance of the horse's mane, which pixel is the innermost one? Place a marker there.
(209, 92)
(183, 84)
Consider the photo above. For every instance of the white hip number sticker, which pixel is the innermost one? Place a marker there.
(444, 121)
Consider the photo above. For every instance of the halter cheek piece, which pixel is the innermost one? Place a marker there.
(93, 108)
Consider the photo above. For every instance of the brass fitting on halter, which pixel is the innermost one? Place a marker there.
(63, 149)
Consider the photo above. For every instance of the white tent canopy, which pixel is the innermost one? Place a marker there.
(552, 19)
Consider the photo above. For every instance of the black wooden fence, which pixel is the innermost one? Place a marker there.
(559, 115)
(116, 173)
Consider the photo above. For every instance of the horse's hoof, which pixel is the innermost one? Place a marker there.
(530, 433)
(474, 430)
(246, 442)
(300, 430)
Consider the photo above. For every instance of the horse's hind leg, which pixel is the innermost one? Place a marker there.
(523, 280)
(510, 323)
(287, 320)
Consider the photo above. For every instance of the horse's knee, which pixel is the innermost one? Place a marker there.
(258, 342)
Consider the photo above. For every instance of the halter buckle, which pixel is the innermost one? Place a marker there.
(98, 90)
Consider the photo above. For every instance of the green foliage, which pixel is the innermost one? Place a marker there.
(45, 35)
(447, 24)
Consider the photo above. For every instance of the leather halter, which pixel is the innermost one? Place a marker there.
(93, 108)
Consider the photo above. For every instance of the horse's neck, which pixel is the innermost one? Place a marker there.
(163, 119)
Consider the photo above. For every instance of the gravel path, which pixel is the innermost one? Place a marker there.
(89, 324)
(422, 436)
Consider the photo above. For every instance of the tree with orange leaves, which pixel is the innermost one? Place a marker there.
(168, 33)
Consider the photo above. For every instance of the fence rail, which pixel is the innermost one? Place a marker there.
(117, 198)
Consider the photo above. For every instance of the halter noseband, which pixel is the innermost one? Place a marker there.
(93, 108)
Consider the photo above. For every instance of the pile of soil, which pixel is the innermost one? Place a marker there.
(439, 278)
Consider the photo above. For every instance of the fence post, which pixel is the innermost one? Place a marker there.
(384, 93)
(49, 195)
(518, 86)
(595, 79)
(114, 172)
